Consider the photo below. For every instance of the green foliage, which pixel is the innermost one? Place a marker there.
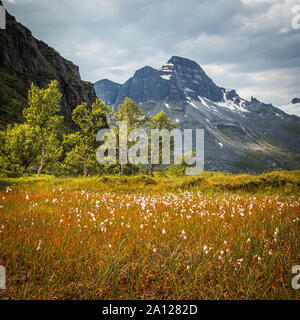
(111, 169)
(131, 113)
(160, 122)
(43, 115)
(283, 183)
(82, 144)
(18, 147)
(11, 98)
(135, 118)
(44, 106)
(41, 141)
(177, 170)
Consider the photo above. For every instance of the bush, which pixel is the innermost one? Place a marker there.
(177, 170)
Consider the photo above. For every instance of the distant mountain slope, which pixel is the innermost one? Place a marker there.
(108, 90)
(239, 134)
(293, 108)
(23, 60)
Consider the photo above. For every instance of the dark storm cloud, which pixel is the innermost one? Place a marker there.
(246, 44)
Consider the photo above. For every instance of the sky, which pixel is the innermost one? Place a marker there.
(247, 45)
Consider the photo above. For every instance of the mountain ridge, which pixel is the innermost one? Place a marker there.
(236, 130)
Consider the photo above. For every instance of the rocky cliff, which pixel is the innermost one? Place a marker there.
(23, 60)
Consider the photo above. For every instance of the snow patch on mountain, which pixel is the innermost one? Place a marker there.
(167, 71)
(203, 101)
(166, 77)
(167, 66)
(189, 101)
(291, 109)
(230, 104)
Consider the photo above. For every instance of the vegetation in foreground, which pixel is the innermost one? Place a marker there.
(216, 236)
(43, 144)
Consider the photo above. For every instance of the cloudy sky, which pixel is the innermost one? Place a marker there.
(248, 45)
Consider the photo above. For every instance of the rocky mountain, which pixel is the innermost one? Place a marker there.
(240, 135)
(23, 60)
(293, 108)
(108, 90)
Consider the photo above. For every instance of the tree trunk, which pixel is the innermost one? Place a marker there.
(42, 160)
(85, 171)
(24, 170)
(151, 170)
(41, 167)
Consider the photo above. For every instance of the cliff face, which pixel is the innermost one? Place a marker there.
(23, 60)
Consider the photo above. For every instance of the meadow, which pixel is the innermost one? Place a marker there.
(215, 236)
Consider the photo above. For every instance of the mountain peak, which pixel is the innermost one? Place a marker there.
(181, 60)
(181, 63)
(254, 101)
(145, 71)
(189, 76)
(295, 100)
(106, 82)
(107, 90)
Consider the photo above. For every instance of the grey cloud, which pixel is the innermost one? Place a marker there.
(113, 38)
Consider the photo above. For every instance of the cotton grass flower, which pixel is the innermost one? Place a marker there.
(39, 245)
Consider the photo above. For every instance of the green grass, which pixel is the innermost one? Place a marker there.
(282, 182)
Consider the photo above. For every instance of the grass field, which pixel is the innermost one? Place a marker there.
(216, 236)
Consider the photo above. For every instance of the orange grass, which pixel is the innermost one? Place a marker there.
(83, 244)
